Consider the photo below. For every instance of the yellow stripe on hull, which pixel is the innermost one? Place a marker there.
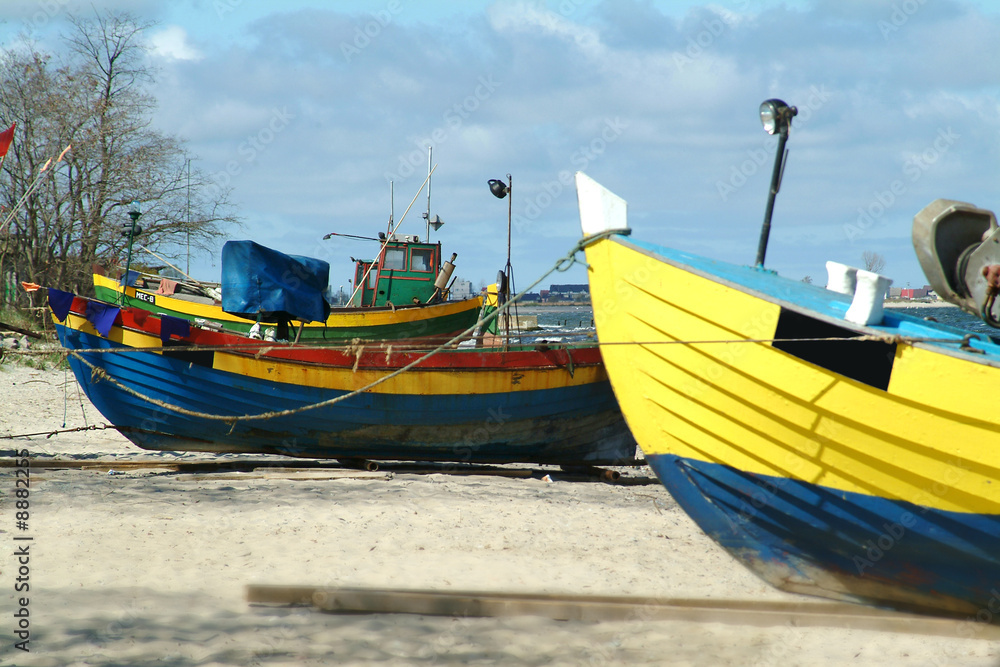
(760, 409)
(416, 381)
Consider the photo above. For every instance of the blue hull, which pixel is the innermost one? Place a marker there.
(566, 425)
(858, 547)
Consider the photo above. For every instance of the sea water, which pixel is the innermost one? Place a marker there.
(564, 322)
(952, 316)
(578, 321)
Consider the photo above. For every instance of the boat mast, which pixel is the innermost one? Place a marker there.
(392, 199)
(427, 215)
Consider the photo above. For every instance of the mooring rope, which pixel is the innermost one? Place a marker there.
(390, 347)
(49, 434)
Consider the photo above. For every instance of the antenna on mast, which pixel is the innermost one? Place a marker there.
(436, 221)
(427, 215)
(392, 200)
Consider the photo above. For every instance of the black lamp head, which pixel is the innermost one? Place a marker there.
(498, 188)
(776, 116)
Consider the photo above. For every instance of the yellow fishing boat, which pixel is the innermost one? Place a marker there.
(832, 447)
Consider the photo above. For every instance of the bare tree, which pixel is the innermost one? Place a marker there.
(97, 100)
(872, 261)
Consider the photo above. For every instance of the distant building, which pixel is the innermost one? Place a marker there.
(567, 293)
(461, 290)
(568, 289)
(916, 292)
(530, 296)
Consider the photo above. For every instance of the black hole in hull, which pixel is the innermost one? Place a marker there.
(865, 361)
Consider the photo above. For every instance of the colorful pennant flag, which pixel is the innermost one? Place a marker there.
(6, 139)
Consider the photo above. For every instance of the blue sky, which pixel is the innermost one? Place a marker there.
(307, 109)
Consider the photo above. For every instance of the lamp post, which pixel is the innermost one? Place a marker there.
(776, 117)
(131, 230)
(501, 190)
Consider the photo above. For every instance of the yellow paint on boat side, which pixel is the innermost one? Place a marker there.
(930, 439)
(417, 381)
(126, 337)
(362, 318)
(440, 381)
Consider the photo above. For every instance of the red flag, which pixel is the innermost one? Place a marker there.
(6, 138)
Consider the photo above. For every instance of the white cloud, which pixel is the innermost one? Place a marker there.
(172, 43)
(530, 88)
(530, 17)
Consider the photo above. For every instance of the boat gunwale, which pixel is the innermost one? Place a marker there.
(987, 353)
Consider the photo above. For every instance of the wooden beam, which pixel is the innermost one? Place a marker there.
(24, 332)
(612, 608)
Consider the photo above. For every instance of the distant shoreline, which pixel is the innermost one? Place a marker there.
(919, 304)
(553, 304)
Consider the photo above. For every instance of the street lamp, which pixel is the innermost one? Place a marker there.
(498, 188)
(131, 230)
(776, 117)
(501, 190)
(505, 279)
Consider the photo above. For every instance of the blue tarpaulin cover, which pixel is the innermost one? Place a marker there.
(258, 282)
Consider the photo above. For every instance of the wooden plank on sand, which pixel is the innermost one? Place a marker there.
(610, 608)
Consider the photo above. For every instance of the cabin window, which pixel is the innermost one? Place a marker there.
(395, 258)
(372, 277)
(420, 259)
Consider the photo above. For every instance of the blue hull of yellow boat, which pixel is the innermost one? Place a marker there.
(796, 535)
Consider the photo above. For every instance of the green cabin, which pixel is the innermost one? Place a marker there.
(402, 274)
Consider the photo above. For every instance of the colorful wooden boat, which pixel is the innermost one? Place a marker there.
(538, 405)
(832, 448)
(398, 298)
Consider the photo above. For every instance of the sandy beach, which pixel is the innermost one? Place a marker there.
(149, 567)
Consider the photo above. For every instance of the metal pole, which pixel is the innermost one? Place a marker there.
(510, 203)
(427, 216)
(188, 272)
(128, 262)
(507, 269)
(765, 231)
